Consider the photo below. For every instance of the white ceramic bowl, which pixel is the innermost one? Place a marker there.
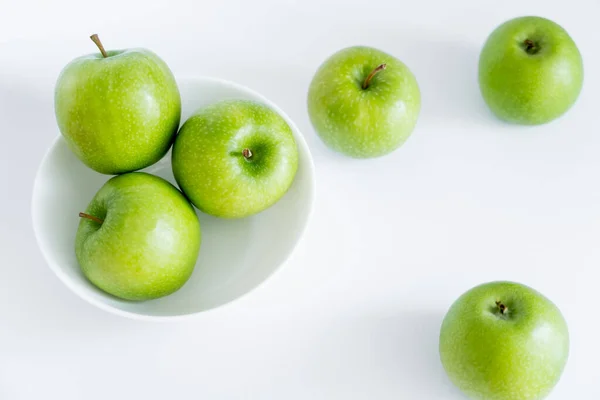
(236, 256)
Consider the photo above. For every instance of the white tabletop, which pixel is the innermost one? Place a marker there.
(355, 314)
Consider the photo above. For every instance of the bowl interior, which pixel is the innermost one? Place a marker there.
(236, 255)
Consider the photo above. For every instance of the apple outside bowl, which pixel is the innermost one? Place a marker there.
(236, 256)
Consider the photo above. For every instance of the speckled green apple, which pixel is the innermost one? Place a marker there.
(363, 102)
(118, 110)
(139, 237)
(530, 71)
(235, 158)
(504, 341)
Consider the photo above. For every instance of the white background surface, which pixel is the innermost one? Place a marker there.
(356, 312)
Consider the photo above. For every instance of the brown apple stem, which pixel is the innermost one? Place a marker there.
(91, 217)
(501, 307)
(372, 74)
(247, 153)
(530, 45)
(96, 40)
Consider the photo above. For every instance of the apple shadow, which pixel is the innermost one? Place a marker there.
(288, 91)
(446, 70)
(36, 300)
(447, 73)
(397, 354)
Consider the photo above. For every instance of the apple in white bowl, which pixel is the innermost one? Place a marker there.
(139, 238)
(236, 256)
(235, 158)
(118, 110)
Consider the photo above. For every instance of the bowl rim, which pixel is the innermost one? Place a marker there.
(82, 293)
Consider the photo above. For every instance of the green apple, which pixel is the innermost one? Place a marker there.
(138, 238)
(235, 158)
(504, 341)
(530, 71)
(118, 110)
(363, 102)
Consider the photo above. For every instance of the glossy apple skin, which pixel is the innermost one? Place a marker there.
(518, 355)
(118, 114)
(211, 170)
(148, 244)
(534, 87)
(363, 123)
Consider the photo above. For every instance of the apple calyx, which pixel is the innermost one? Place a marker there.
(98, 43)
(530, 46)
(91, 218)
(372, 74)
(247, 153)
(503, 309)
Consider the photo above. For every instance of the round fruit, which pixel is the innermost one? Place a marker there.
(530, 71)
(363, 102)
(504, 341)
(139, 238)
(118, 110)
(235, 158)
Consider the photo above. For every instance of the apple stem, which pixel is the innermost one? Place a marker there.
(247, 153)
(372, 74)
(96, 40)
(530, 46)
(501, 307)
(91, 217)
